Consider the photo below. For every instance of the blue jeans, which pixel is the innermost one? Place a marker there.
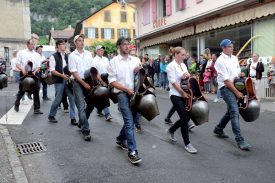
(106, 112)
(231, 114)
(157, 79)
(128, 114)
(81, 105)
(219, 95)
(163, 76)
(44, 89)
(60, 88)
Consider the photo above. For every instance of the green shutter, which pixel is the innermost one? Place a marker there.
(96, 33)
(128, 33)
(102, 33)
(113, 33)
(118, 33)
(86, 32)
(264, 45)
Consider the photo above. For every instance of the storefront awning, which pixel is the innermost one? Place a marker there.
(168, 37)
(247, 15)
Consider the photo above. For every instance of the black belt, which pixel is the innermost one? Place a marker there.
(253, 76)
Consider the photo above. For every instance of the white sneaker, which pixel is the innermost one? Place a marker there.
(216, 100)
(273, 102)
(170, 136)
(189, 148)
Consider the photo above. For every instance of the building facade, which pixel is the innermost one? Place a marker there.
(15, 26)
(108, 23)
(199, 24)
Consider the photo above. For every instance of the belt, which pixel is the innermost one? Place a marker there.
(253, 76)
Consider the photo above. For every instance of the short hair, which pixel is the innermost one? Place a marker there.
(121, 40)
(29, 41)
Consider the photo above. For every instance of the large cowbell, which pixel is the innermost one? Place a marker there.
(144, 98)
(196, 105)
(28, 83)
(98, 95)
(49, 79)
(249, 106)
(3, 81)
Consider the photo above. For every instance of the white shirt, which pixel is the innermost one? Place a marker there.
(52, 62)
(101, 64)
(80, 62)
(227, 68)
(174, 74)
(252, 72)
(122, 70)
(26, 55)
(13, 64)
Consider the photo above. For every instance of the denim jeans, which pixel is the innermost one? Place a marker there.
(219, 95)
(106, 112)
(182, 123)
(60, 88)
(128, 114)
(163, 79)
(44, 89)
(157, 75)
(232, 113)
(81, 105)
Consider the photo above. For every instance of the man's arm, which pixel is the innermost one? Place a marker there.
(82, 82)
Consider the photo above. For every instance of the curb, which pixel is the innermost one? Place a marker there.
(17, 169)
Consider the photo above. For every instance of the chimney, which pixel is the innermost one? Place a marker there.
(70, 26)
(52, 29)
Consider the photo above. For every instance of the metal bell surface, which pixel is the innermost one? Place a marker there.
(3, 81)
(199, 112)
(252, 112)
(148, 107)
(27, 84)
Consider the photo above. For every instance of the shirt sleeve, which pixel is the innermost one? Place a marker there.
(222, 71)
(72, 64)
(112, 73)
(52, 63)
(171, 74)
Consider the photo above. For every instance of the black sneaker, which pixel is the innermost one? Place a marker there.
(29, 95)
(122, 145)
(16, 108)
(52, 119)
(220, 133)
(168, 121)
(73, 122)
(37, 112)
(87, 137)
(46, 99)
(133, 158)
(100, 114)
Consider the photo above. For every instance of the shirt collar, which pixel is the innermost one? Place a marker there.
(121, 58)
(77, 52)
(226, 56)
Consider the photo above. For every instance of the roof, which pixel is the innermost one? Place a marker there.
(65, 34)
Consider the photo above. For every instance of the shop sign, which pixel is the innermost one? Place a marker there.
(159, 23)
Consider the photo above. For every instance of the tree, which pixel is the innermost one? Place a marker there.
(110, 47)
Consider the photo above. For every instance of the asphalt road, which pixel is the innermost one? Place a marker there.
(70, 159)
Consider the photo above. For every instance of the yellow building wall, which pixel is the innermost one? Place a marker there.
(97, 21)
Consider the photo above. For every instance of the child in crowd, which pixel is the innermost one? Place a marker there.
(206, 80)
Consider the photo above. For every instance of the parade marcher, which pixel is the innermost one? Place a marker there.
(227, 67)
(121, 76)
(271, 76)
(23, 57)
(58, 61)
(79, 61)
(45, 97)
(177, 71)
(101, 63)
(254, 70)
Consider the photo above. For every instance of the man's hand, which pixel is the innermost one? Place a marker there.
(185, 95)
(86, 86)
(239, 95)
(136, 69)
(130, 92)
(65, 77)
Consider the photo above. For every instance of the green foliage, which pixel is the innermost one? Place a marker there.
(110, 47)
(43, 40)
(61, 13)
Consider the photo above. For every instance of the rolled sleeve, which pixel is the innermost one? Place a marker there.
(52, 63)
(171, 74)
(112, 75)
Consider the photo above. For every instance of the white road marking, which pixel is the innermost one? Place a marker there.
(16, 118)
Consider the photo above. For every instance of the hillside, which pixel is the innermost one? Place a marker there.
(60, 13)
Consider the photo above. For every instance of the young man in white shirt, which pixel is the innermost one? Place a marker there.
(227, 67)
(81, 60)
(121, 76)
(23, 57)
(101, 63)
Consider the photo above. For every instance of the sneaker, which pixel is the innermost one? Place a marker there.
(47, 99)
(122, 145)
(73, 122)
(52, 119)
(16, 108)
(190, 126)
(87, 137)
(216, 100)
(243, 145)
(170, 136)
(66, 111)
(138, 129)
(190, 148)
(100, 114)
(220, 133)
(29, 95)
(37, 112)
(108, 118)
(134, 158)
(168, 121)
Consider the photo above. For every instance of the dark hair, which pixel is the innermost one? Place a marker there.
(121, 40)
(59, 41)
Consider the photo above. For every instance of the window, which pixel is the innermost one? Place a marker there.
(134, 33)
(123, 32)
(107, 16)
(146, 12)
(107, 33)
(161, 8)
(134, 17)
(91, 32)
(180, 5)
(123, 16)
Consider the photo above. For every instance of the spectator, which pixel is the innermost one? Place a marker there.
(156, 67)
(271, 76)
(206, 80)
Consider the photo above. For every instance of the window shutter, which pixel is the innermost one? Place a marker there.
(134, 33)
(118, 33)
(128, 33)
(168, 7)
(146, 12)
(96, 33)
(113, 33)
(86, 32)
(181, 4)
(154, 9)
(102, 33)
